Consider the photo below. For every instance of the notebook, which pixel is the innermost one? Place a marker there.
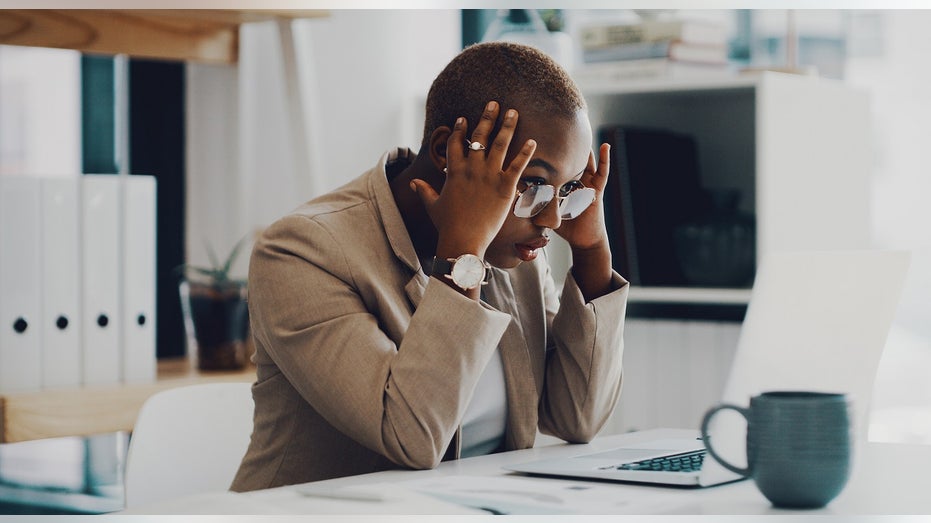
(816, 321)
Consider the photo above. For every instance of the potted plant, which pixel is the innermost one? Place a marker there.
(216, 316)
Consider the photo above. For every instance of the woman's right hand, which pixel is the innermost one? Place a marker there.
(479, 191)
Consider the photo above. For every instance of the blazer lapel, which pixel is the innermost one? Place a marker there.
(391, 220)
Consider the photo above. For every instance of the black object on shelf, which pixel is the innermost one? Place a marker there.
(653, 189)
(718, 248)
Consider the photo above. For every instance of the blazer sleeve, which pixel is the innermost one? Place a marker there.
(402, 400)
(582, 380)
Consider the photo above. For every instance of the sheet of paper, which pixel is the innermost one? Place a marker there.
(378, 498)
(527, 495)
(382, 498)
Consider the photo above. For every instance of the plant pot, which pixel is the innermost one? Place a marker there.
(216, 318)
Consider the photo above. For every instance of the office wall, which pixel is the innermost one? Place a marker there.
(373, 68)
(898, 75)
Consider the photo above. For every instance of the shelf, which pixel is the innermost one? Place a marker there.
(97, 409)
(689, 295)
(688, 303)
(669, 85)
(202, 35)
(758, 138)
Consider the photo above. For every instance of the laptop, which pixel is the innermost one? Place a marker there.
(815, 321)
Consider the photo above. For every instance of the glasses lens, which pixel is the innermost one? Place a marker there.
(576, 203)
(533, 200)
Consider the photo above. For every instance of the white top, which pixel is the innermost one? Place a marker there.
(486, 416)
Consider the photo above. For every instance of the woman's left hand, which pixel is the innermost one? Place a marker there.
(587, 231)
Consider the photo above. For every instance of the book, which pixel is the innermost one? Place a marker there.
(654, 187)
(646, 68)
(629, 51)
(597, 36)
(674, 49)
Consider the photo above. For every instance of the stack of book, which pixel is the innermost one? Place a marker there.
(652, 48)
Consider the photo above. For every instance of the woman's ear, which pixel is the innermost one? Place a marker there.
(437, 146)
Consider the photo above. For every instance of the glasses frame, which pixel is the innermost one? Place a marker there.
(559, 199)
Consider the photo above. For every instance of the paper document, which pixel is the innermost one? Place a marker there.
(524, 495)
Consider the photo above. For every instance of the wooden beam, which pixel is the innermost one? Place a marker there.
(196, 35)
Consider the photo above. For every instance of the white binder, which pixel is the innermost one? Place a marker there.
(61, 282)
(100, 246)
(138, 283)
(20, 332)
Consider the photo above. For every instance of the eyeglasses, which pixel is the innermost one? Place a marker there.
(573, 199)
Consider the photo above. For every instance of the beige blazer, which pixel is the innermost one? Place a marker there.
(365, 363)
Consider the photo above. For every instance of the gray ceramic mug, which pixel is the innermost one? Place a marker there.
(798, 445)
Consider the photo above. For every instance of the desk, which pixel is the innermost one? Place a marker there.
(84, 411)
(885, 480)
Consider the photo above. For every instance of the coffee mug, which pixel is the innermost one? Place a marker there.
(798, 445)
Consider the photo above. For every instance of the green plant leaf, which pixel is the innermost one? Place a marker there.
(214, 261)
(217, 274)
(233, 254)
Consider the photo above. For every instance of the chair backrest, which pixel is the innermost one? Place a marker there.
(188, 440)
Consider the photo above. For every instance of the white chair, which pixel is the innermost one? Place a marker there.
(188, 440)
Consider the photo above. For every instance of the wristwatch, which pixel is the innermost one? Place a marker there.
(467, 271)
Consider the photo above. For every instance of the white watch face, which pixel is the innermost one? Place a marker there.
(468, 271)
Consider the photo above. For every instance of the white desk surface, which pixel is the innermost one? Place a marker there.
(887, 479)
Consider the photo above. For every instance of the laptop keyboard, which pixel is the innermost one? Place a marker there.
(685, 462)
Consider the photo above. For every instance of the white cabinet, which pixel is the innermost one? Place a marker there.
(673, 372)
(796, 148)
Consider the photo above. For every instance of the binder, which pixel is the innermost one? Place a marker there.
(100, 247)
(139, 277)
(20, 292)
(61, 282)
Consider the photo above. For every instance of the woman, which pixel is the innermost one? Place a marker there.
(410, 317)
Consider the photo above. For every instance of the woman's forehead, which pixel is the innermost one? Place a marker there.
(563, 145)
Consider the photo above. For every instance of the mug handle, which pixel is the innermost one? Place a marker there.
(706, 439)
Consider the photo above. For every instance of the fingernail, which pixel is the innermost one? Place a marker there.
(459, 122)
(491, 105)
(413, 186)
(510, 114)
(531, 143)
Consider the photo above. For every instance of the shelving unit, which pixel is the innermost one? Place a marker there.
(798, 151)
(796, 148)
(196, 35)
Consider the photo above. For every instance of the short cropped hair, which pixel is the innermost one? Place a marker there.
(516, 76)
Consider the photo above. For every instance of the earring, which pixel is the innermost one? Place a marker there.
(445, 171)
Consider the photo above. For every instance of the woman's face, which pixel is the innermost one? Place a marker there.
(563, 147)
